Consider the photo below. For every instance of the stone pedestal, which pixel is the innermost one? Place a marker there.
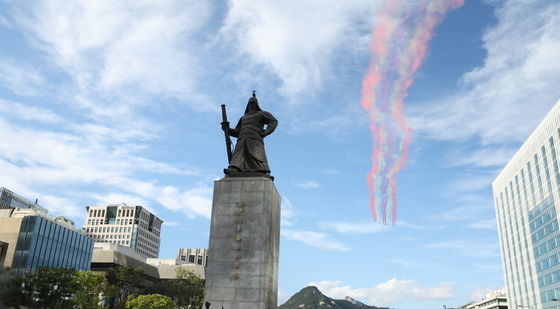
(242, 269)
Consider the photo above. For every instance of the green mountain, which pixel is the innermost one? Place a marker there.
(311, 298)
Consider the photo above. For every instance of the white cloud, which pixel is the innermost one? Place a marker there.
(488, 224)
(463, 213)
(312, 184)
(177, 225)
(403, 263)
(389, 292)
(468, 247)
(29, 113)
(118, 198)
(314, 239)
(287, 213)
(61, 206)
(337, 121)
(35, 158)
(296, 40)
(472, 182)
(194, 202)
(489, 267)
(482, 157)
(128, 49)
(334, 172)
(518, 80)
(118, 56)
(359, 228)
(118, 132)
(3, 21)
(369, 227)
(20, 78)
(404, 224)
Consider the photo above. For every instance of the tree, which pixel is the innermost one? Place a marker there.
(11, 290)
(45, 287)
(187, 290)
(90, 287)
(61, 288)
(124, 281)
(191, 288)
(52, 287)
(5, 279)
(151, 301)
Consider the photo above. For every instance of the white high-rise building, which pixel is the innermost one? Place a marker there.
(527, 202)
(131, 226)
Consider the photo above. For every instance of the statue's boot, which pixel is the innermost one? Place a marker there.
(231, 170)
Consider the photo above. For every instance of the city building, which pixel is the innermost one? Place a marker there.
(495, 299)
(193, 256)
(11, 200)
(130, 226)
(107, 256)
(29, 238)
(167, 268)
(526, 198)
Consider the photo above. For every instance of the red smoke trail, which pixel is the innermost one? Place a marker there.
(398, 47)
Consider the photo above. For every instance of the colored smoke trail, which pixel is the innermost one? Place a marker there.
(399, 44)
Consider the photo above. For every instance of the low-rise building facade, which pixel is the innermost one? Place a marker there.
(107, 256)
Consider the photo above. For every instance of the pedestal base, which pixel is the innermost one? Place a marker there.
(242, 269)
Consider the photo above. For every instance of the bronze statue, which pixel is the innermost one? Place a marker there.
(249, 157)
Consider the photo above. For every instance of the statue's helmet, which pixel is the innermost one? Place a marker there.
(253, 101)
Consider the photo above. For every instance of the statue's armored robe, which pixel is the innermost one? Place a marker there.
(249, 154)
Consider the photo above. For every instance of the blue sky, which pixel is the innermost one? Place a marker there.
(107, 103)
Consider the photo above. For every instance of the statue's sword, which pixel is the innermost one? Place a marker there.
(225, 125)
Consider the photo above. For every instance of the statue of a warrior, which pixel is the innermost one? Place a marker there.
(249, 157)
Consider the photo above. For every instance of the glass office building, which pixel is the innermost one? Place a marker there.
(527, 200)
(42, 242)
